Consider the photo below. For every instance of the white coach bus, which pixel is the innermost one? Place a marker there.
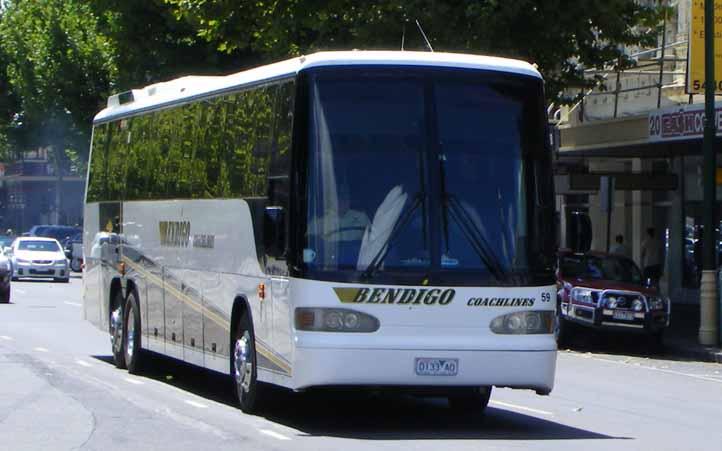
(366, 219)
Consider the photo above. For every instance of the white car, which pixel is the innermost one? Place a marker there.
(36, 257)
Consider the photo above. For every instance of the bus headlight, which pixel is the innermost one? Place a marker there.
(524, 323)
(334, 320)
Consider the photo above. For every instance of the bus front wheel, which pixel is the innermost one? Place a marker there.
(470, 400)
(250, 392)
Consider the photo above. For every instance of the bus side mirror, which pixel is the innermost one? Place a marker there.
(274, 233)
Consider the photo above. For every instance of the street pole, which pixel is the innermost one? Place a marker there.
(708, 334)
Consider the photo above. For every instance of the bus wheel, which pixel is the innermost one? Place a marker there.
(132, 350)
(248, 389)
(116, 331)
(470, 400)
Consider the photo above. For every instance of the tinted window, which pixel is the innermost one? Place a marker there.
(601, 268)
(216, 148)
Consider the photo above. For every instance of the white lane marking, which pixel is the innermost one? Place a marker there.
(133, 381)
(517, 407)
(40, 349)
(5, 337)
(196, 404)
(273, 434)
(75, 304)
(83, 363)
(652, 368)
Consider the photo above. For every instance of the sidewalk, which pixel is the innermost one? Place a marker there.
(681, 337)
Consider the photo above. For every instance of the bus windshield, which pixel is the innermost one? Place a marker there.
(423, 172)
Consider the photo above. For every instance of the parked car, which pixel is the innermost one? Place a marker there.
(5, 276)
(607, 292)
(59, 232)
(73, 247)
(36, 257)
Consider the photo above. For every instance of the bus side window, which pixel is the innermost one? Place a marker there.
(278, 186)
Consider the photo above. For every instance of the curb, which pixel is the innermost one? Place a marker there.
(701, 353)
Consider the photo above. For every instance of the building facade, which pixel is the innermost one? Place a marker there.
(643, 131)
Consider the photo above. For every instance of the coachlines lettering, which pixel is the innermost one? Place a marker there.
(501, 302)
(401, 296)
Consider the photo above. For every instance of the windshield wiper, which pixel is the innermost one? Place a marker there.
(401, 222)
(474, 236)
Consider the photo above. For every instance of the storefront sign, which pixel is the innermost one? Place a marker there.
(680, 123)
(695, 56)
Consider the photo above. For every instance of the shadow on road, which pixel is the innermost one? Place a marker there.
(366, 415)
(618, 344)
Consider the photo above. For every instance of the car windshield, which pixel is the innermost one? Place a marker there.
(40, 246)
(600, 268)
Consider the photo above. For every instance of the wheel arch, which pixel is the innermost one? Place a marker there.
(240, 306)
(115, 288)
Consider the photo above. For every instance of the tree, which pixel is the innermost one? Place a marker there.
(563, 37)
(59, 66)
(150, 45)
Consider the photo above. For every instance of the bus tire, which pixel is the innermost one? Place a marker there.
(132, 349)
(116, 330)
(470, 400)
(249, 391)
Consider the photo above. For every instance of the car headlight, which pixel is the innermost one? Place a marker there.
(22, 260)
(334, 320)
(62, 262)
(637, 305)
(656, 303)
(584, 295)
(611, 302)
(524, 323)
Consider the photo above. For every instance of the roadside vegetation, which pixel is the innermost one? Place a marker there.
(61, 59)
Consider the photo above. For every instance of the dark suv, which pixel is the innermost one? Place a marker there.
(59, 232)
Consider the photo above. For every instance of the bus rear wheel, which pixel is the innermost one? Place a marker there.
(470, 400)
(250, 392)
(116, 330)
(132, 350)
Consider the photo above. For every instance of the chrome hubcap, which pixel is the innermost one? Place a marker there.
(130, 336)
(116, 329)
(242, 362)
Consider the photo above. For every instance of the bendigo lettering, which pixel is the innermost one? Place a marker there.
(403, 296)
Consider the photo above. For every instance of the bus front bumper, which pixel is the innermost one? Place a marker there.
(315, 367)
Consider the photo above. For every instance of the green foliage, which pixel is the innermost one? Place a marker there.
(59, 66)
(563, 37)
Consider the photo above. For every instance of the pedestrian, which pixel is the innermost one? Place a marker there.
(619, 248)
(652, 257)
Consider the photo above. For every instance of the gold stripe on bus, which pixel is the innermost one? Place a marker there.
(224, 324)
(260, 347)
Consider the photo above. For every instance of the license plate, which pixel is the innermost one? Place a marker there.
(437, 367)
(626, 316)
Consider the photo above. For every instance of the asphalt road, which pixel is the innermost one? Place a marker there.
(60, 391)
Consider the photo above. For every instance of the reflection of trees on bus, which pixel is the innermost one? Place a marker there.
(222, 147)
